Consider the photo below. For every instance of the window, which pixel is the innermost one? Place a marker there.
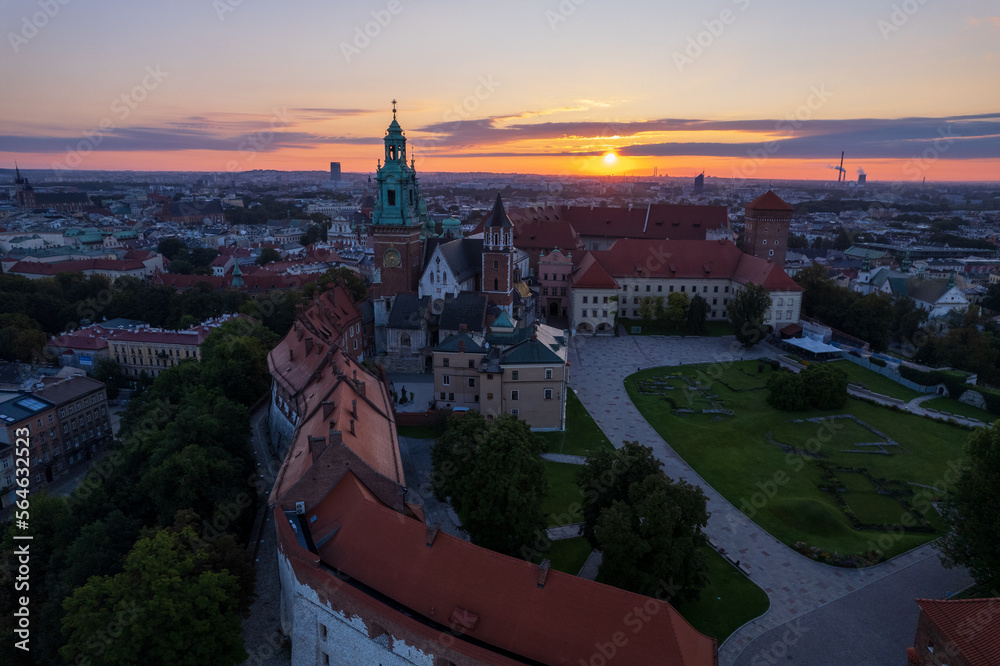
(472, 363)
(770, 253)
(489, 396)
(446, 380)
(548, 373)
(562, 292)
(716, 289)
(781, 301)
(648, 287)
(584, 299)
(604, 313)
(704, 289)
(548, 394)
(625, 288)
(472, 382)
(322, 631)
(788, 314)
(513, 375)
(514, 412)
(671, 287)
(514, 395)
(546, 277)
(404, 340)
(765, 241)
(496, 264)
(635, 288)
(726, 289)
(451, 396)
(392, 197)
(659, 287)
(545, 291)
(682, 287)
(445, 362)
(605, 299)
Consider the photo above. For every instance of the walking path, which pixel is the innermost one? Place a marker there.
(565, 458)
(795, 584)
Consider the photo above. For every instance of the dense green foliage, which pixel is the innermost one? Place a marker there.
(648, 527)
(494, 477)
(820, 386)
(145, 561)
(748, 309)
(972, 510)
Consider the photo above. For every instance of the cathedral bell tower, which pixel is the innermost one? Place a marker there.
(399, 216)
(498, 257)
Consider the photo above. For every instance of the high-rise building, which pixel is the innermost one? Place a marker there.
(765, 233)
(699, 183)
(335, 171)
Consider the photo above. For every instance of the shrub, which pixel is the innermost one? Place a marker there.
(877, 361)
(786, 392)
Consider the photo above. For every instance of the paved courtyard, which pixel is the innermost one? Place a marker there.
(794, 584)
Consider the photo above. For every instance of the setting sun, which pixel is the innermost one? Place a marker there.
(610, 158)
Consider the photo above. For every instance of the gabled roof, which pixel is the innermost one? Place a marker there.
(467, 308)
(450, 344)
(591, 275)
(769, 201)
(503, 320)
(970, 625)
(409, 311)
(464, 256)
(531, 351)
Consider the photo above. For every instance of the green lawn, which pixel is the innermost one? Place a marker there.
(582, 434)
(875, 382)
(715, 328)
(562, 505)
(567, 555)
(735, 457)
(953, 406)
(728, 602)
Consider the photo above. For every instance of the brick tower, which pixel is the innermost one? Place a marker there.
(498, 257)
(765, 234)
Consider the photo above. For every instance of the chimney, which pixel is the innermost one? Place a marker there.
(336, 437)
(354, 408)
(543, 573)
(461, 346)
(463, 328)
(432, 532)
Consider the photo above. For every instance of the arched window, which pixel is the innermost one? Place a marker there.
(404, 340)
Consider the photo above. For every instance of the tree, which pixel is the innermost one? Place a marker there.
(109, 371)
(607, 477)
(165, 607)
(870, 318)
(797, 241)
(494, 477)
(654, 542)
(697, 315)
(21, 338)
(747, 310)
(972, 510)
(354, 283)
(825, 386)
(268, 255)
(649, 308)
(170, 247)
(677, 307)
(786, 392)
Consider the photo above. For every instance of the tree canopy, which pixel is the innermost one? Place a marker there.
(972, 510)
(494, 477)
(748, 309)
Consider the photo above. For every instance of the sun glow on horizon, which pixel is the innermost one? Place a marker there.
(610, 158)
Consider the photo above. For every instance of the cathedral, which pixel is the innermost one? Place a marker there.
(420, 279)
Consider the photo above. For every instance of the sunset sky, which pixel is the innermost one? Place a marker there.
(748, 88)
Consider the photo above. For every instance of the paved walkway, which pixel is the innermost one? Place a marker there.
(794, 583)
(565, 458)
(563, 532)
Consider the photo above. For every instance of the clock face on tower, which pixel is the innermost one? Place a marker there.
(390, 258)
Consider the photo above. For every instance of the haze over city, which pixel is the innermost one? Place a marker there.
(736, 89)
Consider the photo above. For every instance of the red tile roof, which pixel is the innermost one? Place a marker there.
(972, 626)
(496, 597)
(591, 275)
(76, 265)
(769, 201)
(635, 258)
